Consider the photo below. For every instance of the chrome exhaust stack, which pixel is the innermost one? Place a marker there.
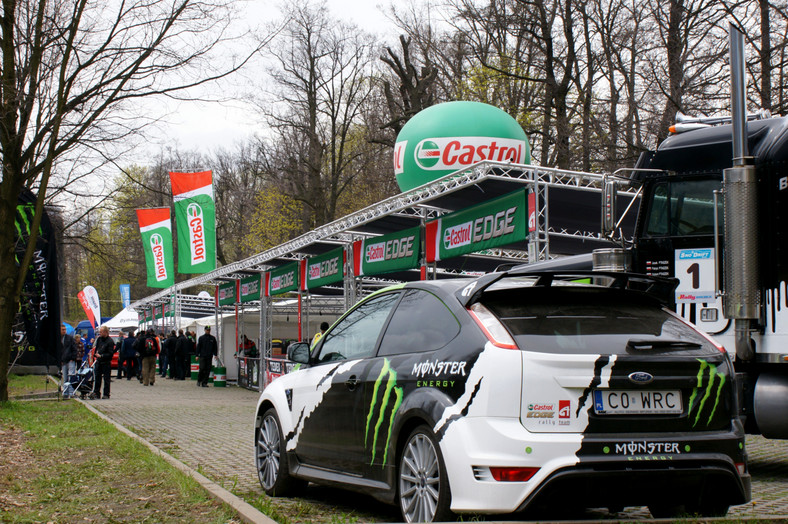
(741, 297)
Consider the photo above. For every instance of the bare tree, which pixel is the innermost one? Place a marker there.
(323, 76)
(72, 71)
(239, 175)
(415, 90)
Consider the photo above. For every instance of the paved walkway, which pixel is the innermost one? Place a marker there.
(212, 431)
(209, 429)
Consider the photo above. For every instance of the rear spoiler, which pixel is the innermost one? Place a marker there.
(661, 288)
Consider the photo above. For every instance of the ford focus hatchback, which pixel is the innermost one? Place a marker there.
(510, 392)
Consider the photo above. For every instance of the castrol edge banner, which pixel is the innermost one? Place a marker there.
(491, 224)
(325, 269)
(282, 279)
(384, 254)
(250, 288)
(195, 221)
(156, 230)
(227, 293)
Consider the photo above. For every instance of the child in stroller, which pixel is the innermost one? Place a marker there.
(82, 382)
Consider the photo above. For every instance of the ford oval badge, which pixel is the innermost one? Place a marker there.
(640, 377)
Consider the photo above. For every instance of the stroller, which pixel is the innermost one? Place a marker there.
(82, 382)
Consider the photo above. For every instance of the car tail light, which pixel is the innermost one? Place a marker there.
(513, 474)
(493, 329)
(741, 468)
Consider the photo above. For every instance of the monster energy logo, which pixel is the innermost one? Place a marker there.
(391, 387)
(707, 392)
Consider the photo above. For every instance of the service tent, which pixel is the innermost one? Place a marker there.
(127, 318)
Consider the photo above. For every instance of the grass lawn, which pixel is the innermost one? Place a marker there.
(61, 463)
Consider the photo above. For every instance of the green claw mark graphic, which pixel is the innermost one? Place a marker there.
(713, 376)
(390, 388)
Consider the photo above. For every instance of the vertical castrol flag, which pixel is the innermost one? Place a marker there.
(195, 221)
(156, 231)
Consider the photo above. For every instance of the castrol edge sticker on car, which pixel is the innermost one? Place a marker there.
(558, 390)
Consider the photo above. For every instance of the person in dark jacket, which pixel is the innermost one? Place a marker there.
(180, 355)
(169, 349)
(104, 349)
(128, 357)
(207, 348)
(148, 354)
(68, 361)
(118, 348)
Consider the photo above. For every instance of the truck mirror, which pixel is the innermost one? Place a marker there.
(609, 194)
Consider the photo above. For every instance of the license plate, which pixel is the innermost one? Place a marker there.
(636, 402)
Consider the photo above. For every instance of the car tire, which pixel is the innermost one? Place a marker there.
(271, 458)
(423, 484)
(666, 511)
(711, 508)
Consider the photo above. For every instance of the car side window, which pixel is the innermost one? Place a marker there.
(421, 322)
(355, 335)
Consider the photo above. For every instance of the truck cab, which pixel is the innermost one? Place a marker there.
(675, 237)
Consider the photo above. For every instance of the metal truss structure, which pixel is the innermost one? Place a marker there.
(418, 203)
(417, 206)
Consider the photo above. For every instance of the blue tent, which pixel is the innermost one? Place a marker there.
(69, 328)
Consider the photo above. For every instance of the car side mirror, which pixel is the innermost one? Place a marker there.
(298, 352)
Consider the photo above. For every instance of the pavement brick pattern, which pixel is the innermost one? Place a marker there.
(212, 431)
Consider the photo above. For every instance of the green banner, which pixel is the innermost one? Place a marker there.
(283, 279)
(250, 288)
(169, 310)
(384, 254)
(156, 231)
(491, 224)
(227, 293)
(325, 269)
(195, 221)
(157, 312)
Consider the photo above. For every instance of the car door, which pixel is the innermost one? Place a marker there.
(333, 433)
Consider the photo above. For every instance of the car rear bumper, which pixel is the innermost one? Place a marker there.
(570, 473)
(686, 482)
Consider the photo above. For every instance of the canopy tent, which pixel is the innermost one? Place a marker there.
(124, 320)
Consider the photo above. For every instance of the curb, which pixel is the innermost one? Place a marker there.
(246, 511)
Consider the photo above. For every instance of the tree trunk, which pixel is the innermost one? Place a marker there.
(675, 68)
(9, 301)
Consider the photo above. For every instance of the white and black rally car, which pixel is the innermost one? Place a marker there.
(509, 392)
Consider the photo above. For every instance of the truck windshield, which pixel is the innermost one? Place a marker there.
(683, 207)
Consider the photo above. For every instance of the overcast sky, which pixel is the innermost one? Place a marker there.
(208, 126)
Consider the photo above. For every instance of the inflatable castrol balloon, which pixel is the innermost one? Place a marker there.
(448, 137)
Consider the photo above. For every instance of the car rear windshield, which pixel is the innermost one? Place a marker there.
(591, 321)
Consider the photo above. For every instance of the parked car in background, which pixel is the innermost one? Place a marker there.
(511, 392)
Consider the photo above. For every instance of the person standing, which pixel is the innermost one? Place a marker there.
(162, 354)
(149, 349)
(68, 362)
(323, 328)
(128, 357)
(207, 348)
(119, 351)
(169, 348)
(104, 348)
(80, 347)
(191, 350)
(180, 355)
